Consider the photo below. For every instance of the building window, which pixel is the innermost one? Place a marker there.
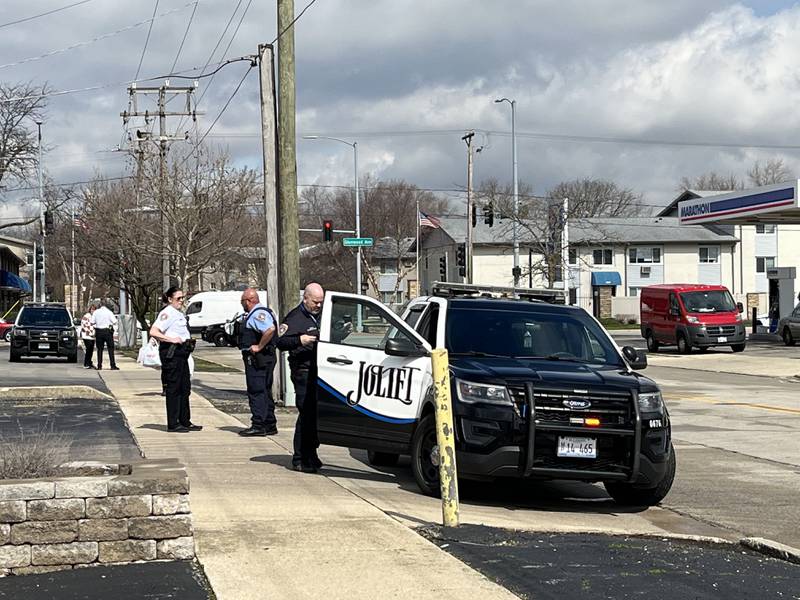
(768, 229)
(644, 255)
(573, 296)
(572, 256)
(644, 272)
(634, 291)
(602, 256)
(709, 254)
(764, 262)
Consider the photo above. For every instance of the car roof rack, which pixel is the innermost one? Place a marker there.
(446, 289)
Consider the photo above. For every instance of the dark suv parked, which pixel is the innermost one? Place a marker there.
(44, 329)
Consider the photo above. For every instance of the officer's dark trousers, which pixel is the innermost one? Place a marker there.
(309, 440)
(300, 383)
(175, 374)
(88, 352)
(105, 337)
(259, 393)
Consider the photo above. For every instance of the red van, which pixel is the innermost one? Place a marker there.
(691, 316)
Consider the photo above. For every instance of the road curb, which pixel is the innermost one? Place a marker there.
(772, 548)
(56, 392)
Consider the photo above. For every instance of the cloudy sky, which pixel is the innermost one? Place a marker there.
(641, 92)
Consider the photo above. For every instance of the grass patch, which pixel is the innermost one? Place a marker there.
(33, 454)
(617, 324)
(200, 365)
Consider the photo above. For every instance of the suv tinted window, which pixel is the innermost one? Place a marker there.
(529, 334)
(194, 307)
(34, 316)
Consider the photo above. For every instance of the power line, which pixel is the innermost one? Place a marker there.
(94, 39)
(44, 14)
(185, 33)
(147, 40)
(285, 29)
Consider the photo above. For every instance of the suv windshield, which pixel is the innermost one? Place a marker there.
(34, 316)
(708, 302)
(570, 336)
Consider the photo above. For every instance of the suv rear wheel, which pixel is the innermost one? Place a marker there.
(14, 356)
(7, 336)
(424, 448)
(220, 339)
(787, 336)
(738, 347)
(629, 494)
(72, 358)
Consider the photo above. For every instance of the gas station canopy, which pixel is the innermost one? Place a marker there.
(777, 203)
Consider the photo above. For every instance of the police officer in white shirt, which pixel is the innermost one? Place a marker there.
(103, 321)
(171, 330)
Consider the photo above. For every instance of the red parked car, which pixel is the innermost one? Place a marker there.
(691, 316)
(5, 330)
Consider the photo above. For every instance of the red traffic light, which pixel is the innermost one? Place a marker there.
(327, 231)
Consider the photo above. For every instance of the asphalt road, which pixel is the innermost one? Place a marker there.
(580, 566)
(143, 581)
(34, 371)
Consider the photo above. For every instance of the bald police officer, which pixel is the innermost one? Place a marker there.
(257, 343)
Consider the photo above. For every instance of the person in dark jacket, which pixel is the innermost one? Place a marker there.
(298, 334)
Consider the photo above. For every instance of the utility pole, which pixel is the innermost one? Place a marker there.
(287, 159)
(470, 208)
(163, 146)
(269, 139)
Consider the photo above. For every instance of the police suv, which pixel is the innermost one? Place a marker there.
(539, 390)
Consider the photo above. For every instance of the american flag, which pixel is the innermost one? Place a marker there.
(78, 222)
(428, 221)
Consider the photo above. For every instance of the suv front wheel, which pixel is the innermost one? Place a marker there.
(424, 456)
(630, 495)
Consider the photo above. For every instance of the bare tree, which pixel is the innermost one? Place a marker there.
(21, 105)
(772, 171)
(598, 198)
(712, 181)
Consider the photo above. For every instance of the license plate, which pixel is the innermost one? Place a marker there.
(722, 339)
(44, 346)
(577, 447)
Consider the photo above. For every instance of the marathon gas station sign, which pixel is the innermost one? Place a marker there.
(767, 204)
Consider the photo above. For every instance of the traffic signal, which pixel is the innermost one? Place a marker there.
(443, 268)
(474, 216)
(49, 224)
(488, 214)
(39, 258)
(461, 260)
(516, 272)
(327, 231)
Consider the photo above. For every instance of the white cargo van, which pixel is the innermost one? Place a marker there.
(215, 308)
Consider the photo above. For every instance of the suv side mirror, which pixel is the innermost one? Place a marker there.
(675, 312)
(740, 307)
(637, 359)
(76, 321)
(402, 346)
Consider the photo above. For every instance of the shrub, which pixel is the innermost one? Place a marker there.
(33, 454)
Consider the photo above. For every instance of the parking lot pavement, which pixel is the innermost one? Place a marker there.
(33, 372)
(575, 566)
(146, 581)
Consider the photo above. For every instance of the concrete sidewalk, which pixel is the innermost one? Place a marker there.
(265, 531)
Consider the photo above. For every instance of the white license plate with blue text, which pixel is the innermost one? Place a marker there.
(577, 447)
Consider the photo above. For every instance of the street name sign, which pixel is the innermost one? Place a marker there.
(357, 241)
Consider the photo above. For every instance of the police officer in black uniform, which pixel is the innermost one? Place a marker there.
(298, 336)
(256, 340)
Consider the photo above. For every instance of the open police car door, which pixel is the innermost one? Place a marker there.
(373, 371)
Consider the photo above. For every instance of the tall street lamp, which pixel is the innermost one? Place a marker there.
(354, 146)
(42, 288)
(513, 103)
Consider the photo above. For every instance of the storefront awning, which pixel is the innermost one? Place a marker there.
(606, 278)
(11, 281)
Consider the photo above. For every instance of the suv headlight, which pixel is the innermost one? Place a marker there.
(472, 393)
(650, 402)
(69, 333)
(20, 332)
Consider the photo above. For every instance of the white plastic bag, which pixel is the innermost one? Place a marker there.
(148, 355)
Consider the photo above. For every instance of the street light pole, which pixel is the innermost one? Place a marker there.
(42, 288)
(354, 146)
(513, 103)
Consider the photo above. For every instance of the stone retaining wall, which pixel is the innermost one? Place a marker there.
(77, 521)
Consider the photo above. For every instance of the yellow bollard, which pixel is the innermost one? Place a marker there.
(445, 437)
